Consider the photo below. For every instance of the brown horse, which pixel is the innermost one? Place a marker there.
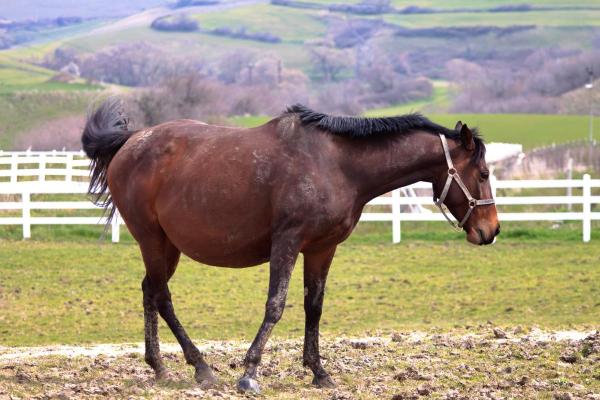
(233, 197)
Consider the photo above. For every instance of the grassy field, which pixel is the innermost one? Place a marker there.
(297, 24)
(17, 73)
(86, 292)
(559, 18)
(290, 24)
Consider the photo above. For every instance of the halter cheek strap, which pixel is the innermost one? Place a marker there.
(454, 176)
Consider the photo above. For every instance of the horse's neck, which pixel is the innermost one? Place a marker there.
(384, 164)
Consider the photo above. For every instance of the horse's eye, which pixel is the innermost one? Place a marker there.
(485, 175)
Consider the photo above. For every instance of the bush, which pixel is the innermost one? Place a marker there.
(367, 7)
(177, 23)
(241, 33)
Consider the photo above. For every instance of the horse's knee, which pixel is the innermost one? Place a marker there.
(274, 312)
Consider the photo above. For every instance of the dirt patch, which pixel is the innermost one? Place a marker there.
(405, 365)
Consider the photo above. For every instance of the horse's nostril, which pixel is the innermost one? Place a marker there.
(497, 231)
(481, 236)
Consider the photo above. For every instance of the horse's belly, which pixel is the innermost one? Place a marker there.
(224, 255)
(220, 242)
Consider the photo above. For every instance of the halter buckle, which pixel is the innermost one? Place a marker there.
(472, 203)
(452, 171)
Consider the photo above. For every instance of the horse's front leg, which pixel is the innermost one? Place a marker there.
(284, 252)
(316, 267)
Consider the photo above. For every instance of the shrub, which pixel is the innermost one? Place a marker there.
(177, 23)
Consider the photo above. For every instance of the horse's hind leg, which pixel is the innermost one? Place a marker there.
(316, 267)
(151, 332)
(161, 257)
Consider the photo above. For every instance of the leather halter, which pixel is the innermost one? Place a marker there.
(454, 176)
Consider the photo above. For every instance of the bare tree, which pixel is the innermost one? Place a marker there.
(235, 66)
(327, 60)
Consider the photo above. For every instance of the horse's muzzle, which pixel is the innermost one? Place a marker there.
(479, 236)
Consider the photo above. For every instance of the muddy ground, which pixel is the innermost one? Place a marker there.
(486, 363)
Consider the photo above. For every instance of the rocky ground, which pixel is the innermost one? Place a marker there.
(483, 363)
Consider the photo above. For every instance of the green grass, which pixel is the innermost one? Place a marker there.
(17, 74)
(439, 100)
(249, 121)
(83, 292)
(209, 47)
(541, 18)
(530, 130)
(290, 24)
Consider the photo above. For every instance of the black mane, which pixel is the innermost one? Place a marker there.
(361, 127)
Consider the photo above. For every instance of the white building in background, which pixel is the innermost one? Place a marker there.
(496, 152)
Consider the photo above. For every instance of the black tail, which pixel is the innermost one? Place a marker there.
(106, 131)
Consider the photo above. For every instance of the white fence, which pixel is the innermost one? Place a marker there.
(585, 215)
(17, 166)
(24, 190)
(25, 165)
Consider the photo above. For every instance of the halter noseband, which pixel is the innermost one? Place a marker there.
(453, 175)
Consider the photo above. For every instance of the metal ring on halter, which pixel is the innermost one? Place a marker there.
(454, 176)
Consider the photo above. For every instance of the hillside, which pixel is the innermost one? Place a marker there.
(566, 27)
(433, 55)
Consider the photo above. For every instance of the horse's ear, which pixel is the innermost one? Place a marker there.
(466, 137)
(458, 126)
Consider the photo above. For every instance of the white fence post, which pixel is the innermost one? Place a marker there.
(396, 234)
(26, 200)
(69, 166)
(14, 166)
(42, 165)
(569, 177)
(587, 208)
(115, 231)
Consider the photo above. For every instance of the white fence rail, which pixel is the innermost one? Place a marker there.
(75, 165)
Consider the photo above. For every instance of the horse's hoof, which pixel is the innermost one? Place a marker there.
(205, 377)
(163, 374)
(324, 381)
(248, 385)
